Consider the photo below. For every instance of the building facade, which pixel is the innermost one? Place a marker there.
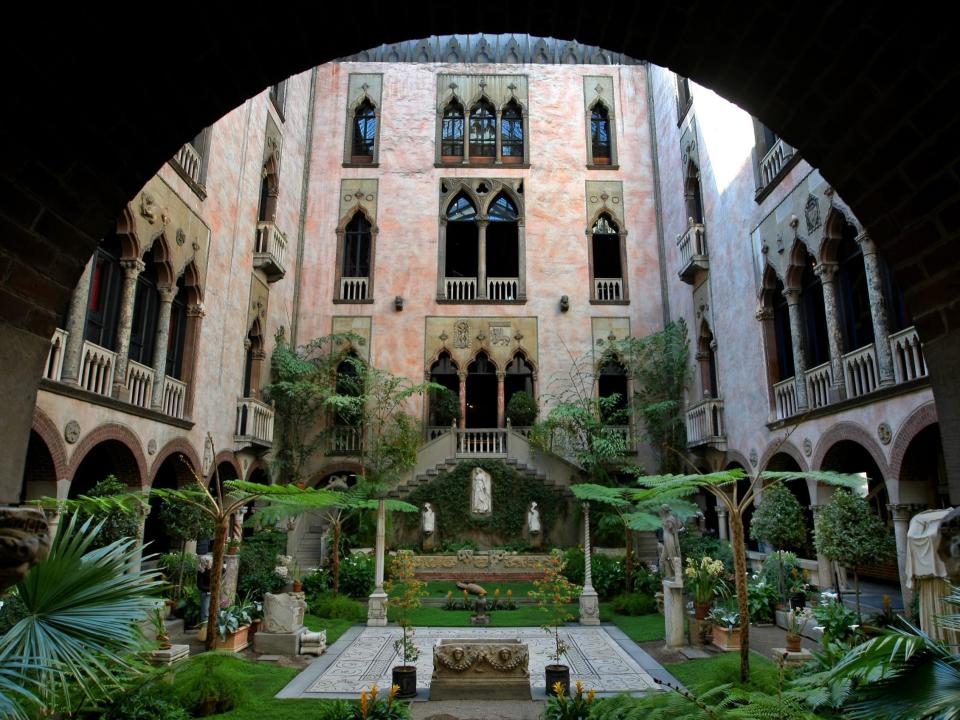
(479, 210)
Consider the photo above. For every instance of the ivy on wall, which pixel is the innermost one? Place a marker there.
(449, 494)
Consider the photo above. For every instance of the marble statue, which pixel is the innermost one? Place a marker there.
(533, 519)
(429, 519)
(670, 552)
(480, 495)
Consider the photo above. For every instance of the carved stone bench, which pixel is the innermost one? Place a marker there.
(480, 670)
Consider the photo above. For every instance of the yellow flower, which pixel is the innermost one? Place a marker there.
(373, 692)
(591, 695)
(509, 593)
(363, 703)
(558, 689)
(496, 593)
(449, 594)
(579, 685)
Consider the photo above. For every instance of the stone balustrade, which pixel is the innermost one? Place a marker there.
(705, 423)
(773, 162)
(345, 440)
(270, 249)
(254, 423)
(139, 383)
(860, 370)
(908, 361)
(53, 369)
(96, 370)
(819, 381)
(174, 397)
(460, 288)
(190, 162)
(692, 246)
(785, 398)
(354, 288)
(608, 288)
(502, 288)
(480, 443)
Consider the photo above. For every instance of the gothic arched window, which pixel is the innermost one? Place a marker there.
(451, 132)
(364, 132)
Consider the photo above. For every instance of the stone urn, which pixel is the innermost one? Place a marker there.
(557, 674)
(405, 676)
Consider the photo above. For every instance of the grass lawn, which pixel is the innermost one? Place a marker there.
(440, 588)
(523, 616)
(725, 668)
(639, 628)
(335, 627)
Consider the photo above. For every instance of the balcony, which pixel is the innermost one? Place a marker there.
(174, 398)
(482, 443)
(254, 423)
(190, 162)
(53, 370)
(345, 440)
(908, 361)
(503, 288)
(785, 398)
(607, 289)
(693, 252)
(354, 289)
(96, 369)
(270, 250)
(819, 384)
(705, 425)
(774, 165)
(139, 384)
(459, 288)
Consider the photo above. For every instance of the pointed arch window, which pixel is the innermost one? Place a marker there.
(607, 262)
(444, 406)
(483, 130)
(355, 267)
(601, 146)
(364, 132)
(103, 302)
(612, 387)
(451, 133)
(146, 312)
(511, 133)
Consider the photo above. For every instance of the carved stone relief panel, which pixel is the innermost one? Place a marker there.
(356, 193)
(605, 196)
(689, 152)
(157, 210)
(464, 337)
(273, 143)
(607, 329)
(358, 325)
(598, 86)
(702, 306)
(259, 300)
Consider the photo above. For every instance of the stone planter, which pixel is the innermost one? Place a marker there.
(726, 638)
(557, 674)
(405, 676)
(237, 641)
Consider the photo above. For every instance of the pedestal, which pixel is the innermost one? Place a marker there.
(791, 659)
(673, 614)
(428, 543)
(278, 643)
(589, 607)
(169, 656)
(377, 609)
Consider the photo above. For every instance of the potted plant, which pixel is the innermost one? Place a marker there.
(160, 629)
(574, 707)
(797, 619)
(233, 546)
(726, 630)
(404, 592)
(233, 624)
(522, 409)
(553, 594)
(296, 576)
(797, 587)
(705, 580)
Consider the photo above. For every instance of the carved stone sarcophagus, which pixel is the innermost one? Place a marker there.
(480, 670)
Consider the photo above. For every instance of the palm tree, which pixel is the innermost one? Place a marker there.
(80, 633)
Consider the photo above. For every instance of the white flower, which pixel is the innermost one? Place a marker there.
(281, 570)
(819, 628)
(854, 627)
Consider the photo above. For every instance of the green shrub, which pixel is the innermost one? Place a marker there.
(608, 575)
(522, 409)
(357, 575)
(328, 605)
(12, 611)
(633, 604)
(762, 599)
(169, 564)
(647, 581)
(695, 546)
(116, 525)
(152, 701)
(317, 582)
(452, 546)
(258, 562)
(188, 607)
(573, 565)
(771, 568)
(209, 684)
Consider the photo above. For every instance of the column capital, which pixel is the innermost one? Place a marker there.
(195, 310)
(501, 375)
(904, 511)
(462, 375)
(167, 293)
(721, 511)
(866, 243)
(132, 268)
(482, 221)
(792, 295)
(826, 271)
(763, 313)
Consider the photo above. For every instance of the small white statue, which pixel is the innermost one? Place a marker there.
(429, 519)
(533, 519)
(480, 497)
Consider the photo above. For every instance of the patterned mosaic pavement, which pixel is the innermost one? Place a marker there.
(602, 657)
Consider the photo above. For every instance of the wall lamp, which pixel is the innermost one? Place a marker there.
(564, 303)
(398, 303)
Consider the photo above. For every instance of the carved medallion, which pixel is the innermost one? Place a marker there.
(884, 433)
(499, 334)
(462, 330)
(152, 446)
(181, 237)
(71, 431)
(812, 212)
(807, 447)
(148, 207)
(754, 457)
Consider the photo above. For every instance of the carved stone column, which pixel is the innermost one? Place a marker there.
(901, 523)
(589, 602)
(463, 399)
(131, 271)
(764, 316)
(501, 399)
(799, 353)
(825, 577)
(377, 602)
(167, 294)
(827, 272)
(76, 319)
(482, 257)
(878, 310)
(722, 522)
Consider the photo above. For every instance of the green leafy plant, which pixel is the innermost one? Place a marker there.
(209, 684)
(573, 707)
(81, 602)
(705, 578)
(233, 617)
(724, 617)
(633, 604)
(838, 623)
(258, 564)
(113, 525)
(849, 533)
(762, 599)
(405, 592)
(553, 593)
(328, 605)
(373, 705)
(780, 522)
(522, 409)
(357, 575)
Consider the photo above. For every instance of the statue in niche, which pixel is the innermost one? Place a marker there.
(428, 524)
(670, 560)
(533, 525)
(480, 492)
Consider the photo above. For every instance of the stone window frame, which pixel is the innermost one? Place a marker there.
(278, 97)
(353, 104)
(201, 146)
(766, 140)
(622, 235)
(451, 94)
(481, 201)
(593, 87)
(684, 97)
(341, 248)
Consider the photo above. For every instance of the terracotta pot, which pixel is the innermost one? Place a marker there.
(297, 586)
(406, 677)
(557, 674)
(726, 638)
(236, 642)
(793, 642)
(701, 610)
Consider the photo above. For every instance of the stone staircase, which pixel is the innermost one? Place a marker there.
(307, 543)
(429, 475)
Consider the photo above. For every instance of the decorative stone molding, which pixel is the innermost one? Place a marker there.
(24, 541)
(605, 196)
(357, 194)
(177, 446)
(259, 301)
(884, 433)
(787, 448)
(606, 330)
(111, 431)
(921, 418)
(464, 338)
(71, 431)
(361, 325)
(491, 560)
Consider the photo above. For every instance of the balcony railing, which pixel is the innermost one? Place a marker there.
(254, 423)
(693, 251)
(908, 361)
(139, 384)
(190, 162)
(608, 289)
(819, 382)
(345, 440)
(175, 395)
(354, 288)
(860, 371)
(96, 370)
(270, 250)
(705, 424)
(502, 288)
(53, 370)
(774, 161)
(487, 442)
(459, 288)
(785, 398)
(435, 431)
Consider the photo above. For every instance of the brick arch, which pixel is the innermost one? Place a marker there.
(47, 430)
(345, 466)
(735, 456)
(224, 456)
(177, 446)
(918, 420)
(787, 448)
(258, 464)
(855, 433)
(102, 433)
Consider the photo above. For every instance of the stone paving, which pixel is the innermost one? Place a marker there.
(603, 657)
